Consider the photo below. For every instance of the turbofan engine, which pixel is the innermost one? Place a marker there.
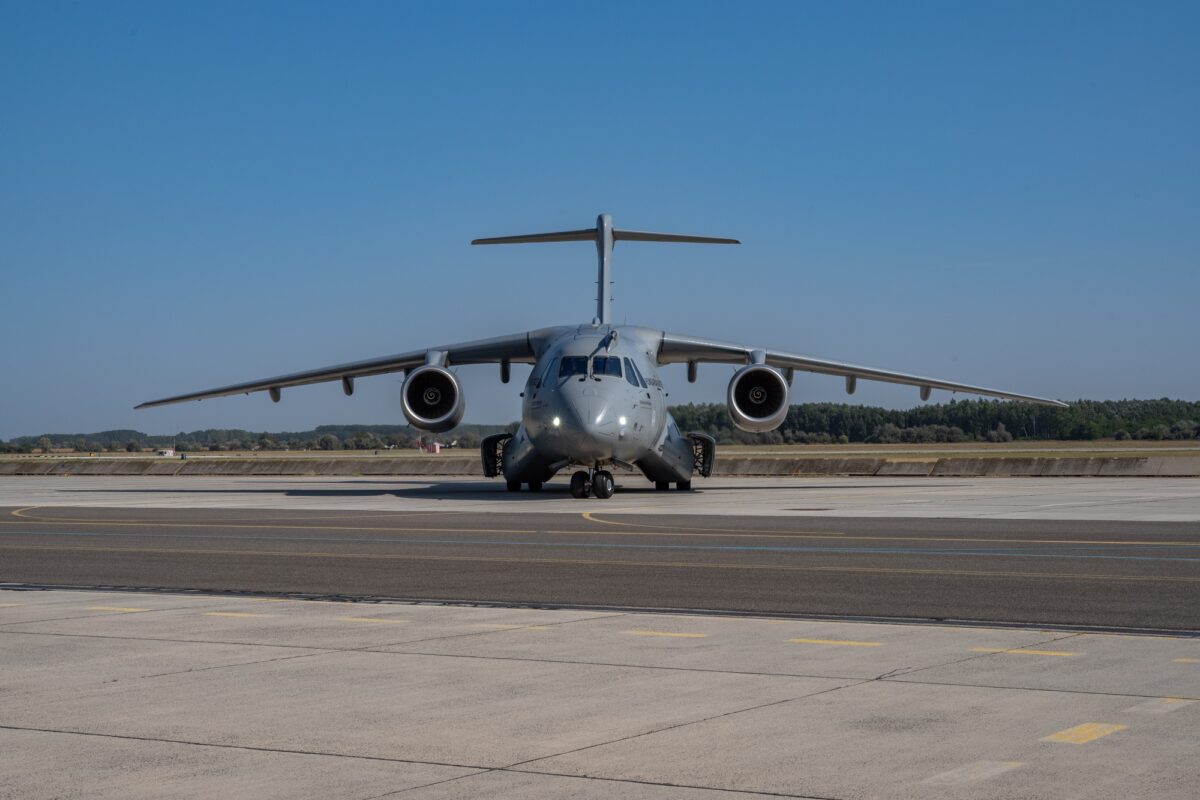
(432, 399)
(758, 399)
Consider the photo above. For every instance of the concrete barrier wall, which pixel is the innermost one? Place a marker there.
(954, 467)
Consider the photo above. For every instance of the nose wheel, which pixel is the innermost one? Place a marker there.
(600, 484)
(603, 485)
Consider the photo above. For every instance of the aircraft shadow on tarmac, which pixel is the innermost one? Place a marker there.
(461, 490)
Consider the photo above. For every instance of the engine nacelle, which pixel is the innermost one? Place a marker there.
(432, 399)
(758, 399)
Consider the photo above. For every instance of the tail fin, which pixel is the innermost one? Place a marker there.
(605, 236)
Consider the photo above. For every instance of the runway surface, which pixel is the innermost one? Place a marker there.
(1121, 574)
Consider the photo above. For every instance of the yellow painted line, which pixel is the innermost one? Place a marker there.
(383, 620)
(20, 512)
(590, 516)
(1082, 734)
(612, 562)
(234, 614)
(124, 609)
(10, 605)
(669, 634)
(843, 642)
(1022, 652)
(1186, 660)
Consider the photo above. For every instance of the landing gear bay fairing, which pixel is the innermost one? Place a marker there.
(594, 398)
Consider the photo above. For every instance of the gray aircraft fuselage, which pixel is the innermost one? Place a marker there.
(594, 398)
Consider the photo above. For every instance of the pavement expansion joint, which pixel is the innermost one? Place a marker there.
(688, 723)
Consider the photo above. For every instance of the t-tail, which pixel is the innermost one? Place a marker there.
(605, 236)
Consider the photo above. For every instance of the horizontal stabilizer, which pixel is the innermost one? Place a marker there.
(533, 238)
(645, 236)
(618, 236)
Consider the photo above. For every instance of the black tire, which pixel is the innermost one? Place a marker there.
(581, 487)
(514, 486)
(684, 486)
(603, 485)
(662, 486)
(535, 486)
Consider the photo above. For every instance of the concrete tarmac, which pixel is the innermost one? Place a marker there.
(138, 695)
(168, 693)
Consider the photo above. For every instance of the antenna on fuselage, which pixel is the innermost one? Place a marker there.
(605, 236)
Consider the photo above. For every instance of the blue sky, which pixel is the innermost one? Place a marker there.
(197, 194)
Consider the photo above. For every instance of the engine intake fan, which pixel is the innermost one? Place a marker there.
(758, 399)
(432, 399)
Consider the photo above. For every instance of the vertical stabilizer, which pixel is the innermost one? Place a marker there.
(604, 249)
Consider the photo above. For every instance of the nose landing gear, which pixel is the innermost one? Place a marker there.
(600, 483)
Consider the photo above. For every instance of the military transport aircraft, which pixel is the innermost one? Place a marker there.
(594, 398)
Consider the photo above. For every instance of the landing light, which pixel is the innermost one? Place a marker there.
(556, 422)
(621, 420)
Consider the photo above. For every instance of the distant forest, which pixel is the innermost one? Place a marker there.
(807, 423)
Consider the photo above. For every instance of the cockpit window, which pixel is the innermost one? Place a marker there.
(572, 365)
(548, 375)
(638, 373)
(630, 374)
(606, 365)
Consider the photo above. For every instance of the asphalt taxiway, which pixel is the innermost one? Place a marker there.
(1115, 574)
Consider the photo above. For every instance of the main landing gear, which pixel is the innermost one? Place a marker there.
(600, 483)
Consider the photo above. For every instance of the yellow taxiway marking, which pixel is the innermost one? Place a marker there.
(1082, 734)
(10, 605)
(381, 620)
(509, 626)
(669, 634)
(234, 614)
(611, 562)
(590, 516)
(123, 609)
(1186, 660)
(1160, 705)
(842, 642)
(1022, 652)
(723, 532)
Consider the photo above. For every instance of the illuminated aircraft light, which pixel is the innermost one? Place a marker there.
(621, 420)
(556, 422)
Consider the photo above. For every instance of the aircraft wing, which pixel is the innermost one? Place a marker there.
(675, 349)
(519, 348)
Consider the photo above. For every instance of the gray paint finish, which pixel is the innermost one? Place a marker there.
(594, 422)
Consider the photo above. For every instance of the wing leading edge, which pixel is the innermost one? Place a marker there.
(521, 348)
(675, 349)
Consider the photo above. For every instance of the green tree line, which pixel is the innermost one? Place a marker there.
(323, 437)
(806, 423)
(957, 421)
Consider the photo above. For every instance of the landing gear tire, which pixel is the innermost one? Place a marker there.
(514, 486)
(603, 485)
(662, 486)
(535, 486)
(581, 487)
(684, 486)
